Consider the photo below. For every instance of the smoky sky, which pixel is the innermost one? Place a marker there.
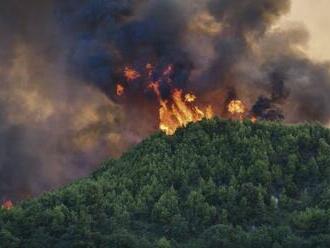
(315, 18)
(61, 60)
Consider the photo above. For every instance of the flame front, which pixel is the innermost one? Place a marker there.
(179, 108)
(179, 113)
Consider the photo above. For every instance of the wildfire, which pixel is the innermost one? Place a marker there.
(154, 86)
(254, 119)
(190, 97)
(120, 90)
(180, 108)
(179, 113)
(8, 205)
(236, 107)
(177, 110)
(131, 74)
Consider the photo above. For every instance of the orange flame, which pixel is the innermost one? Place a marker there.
(131, 74)
(155, 87)
(190, 97)
(179, 113)
(176, 111)
(236, 107)
(8, 205)
(180, 108)
(120, 90)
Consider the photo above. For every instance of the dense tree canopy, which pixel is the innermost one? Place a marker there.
(214, 183)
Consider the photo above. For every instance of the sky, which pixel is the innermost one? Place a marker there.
(314, 14)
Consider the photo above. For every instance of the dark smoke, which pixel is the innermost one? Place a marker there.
(53, 127)
(61, 60)
(249, 16)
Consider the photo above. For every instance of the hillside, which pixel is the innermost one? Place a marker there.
(215, 183)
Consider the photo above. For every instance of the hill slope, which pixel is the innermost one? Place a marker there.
(213, 184)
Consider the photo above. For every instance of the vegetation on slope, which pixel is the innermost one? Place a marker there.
(213, 184)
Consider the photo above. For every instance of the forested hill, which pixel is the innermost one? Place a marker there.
(215, 183)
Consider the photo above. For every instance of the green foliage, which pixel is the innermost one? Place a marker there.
(215, 183)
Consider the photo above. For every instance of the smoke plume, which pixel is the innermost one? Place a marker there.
(61, 62)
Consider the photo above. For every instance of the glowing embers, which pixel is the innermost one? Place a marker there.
(131, 74)
(254, 119)
(120, 90)
(236, 109)
(7, 205)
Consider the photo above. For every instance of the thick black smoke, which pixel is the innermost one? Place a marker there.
(105, 36)
(61, 61)
(243, 53)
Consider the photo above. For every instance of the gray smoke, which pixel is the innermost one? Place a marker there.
(53, 127)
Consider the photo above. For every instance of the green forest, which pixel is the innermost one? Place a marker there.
(215, 183)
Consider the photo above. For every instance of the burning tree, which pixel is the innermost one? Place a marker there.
(8, 205)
